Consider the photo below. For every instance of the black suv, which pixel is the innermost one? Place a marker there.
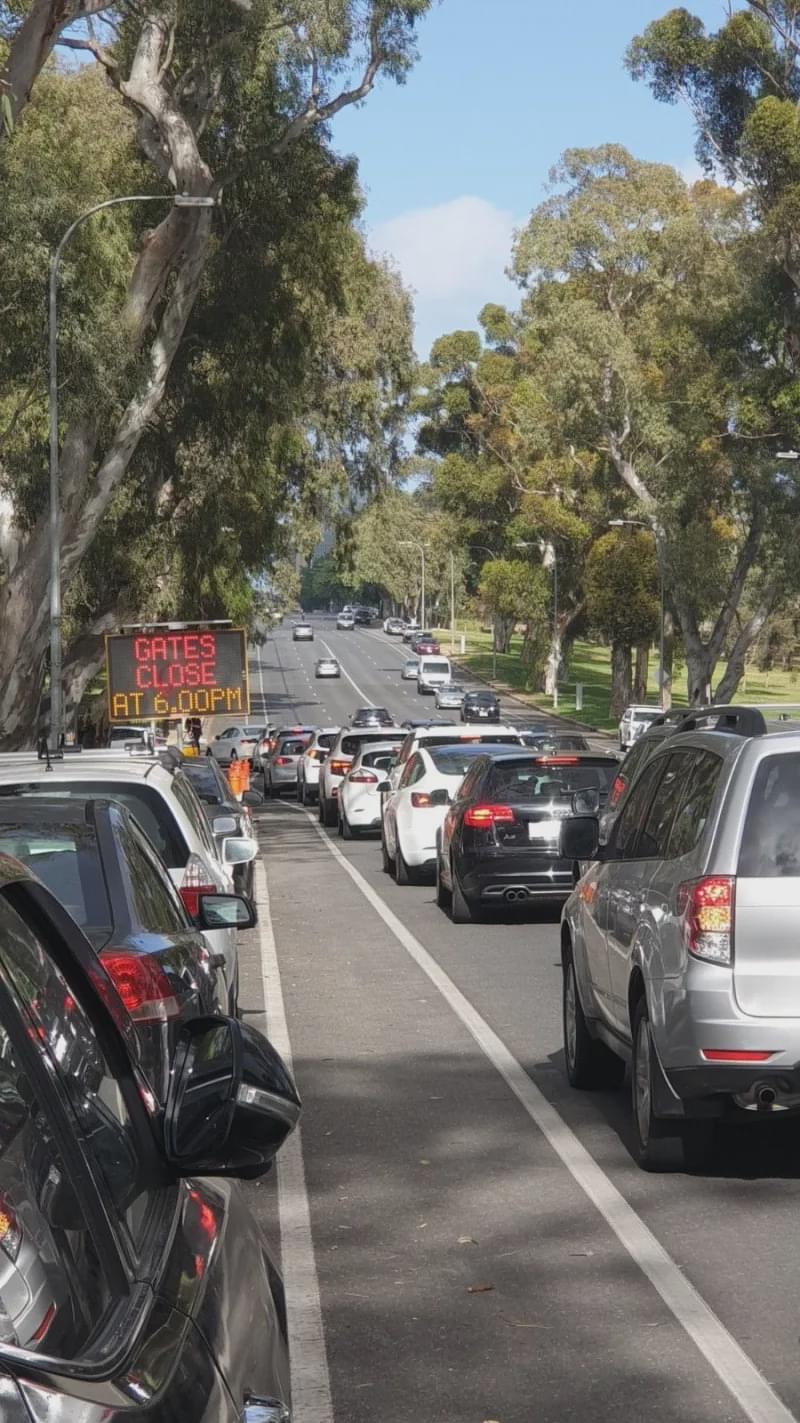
(480, 706)
(133, 1284)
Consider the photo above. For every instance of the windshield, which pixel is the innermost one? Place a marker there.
(527, 781)
(148, 807)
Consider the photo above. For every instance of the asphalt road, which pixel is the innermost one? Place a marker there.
(474, 1236)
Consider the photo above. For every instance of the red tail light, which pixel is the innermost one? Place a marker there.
(363, 778)
(483, 817)
(420, 799)
(706, 907)
(557, 760)
(195, 883)
(713, 1054)
(339, 768)
(284, 761)
(142, 985)
(616, 791)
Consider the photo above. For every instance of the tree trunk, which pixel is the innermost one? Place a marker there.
(620, 678)
(669, 657)
(738, 655)
(641, 670)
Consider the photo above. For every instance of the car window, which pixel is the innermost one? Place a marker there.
(90, 1087)
(144, 802)
(471, 781)
(191, 806)
(377, 758)
(631, 763)
(698, 793)
(771, 840)
(526, 780)
(156, 906)
(291, 748)
(207, 779)
(351, 745)
(626, 830)
(655, 835)
(66, 858)
(326, 740)
(454, 760)
(232, 731)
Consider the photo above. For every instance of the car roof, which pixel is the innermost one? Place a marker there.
(89, 765)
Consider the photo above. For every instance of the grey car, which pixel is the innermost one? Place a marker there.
(280, 768)
(410, 670)
(327, 667)
(450, 696)
(679, 945)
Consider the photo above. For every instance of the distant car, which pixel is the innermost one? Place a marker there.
(302, 632)
(327, 667)
(120, 736)
(265, 744)
(410, 670)
(410, 631)
(236, 743)
(310, 763)
(549, 743)
(280, 771)
(395, 627)
(480, 706)
(345, 621)
(425, 642)
(449, 698)
(434, 673)
(371, 716)
(501, 841)
(359, 799)
(635, 720)
(363, 617)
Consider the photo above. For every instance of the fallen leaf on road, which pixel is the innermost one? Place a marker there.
(466, 1240)
(522, 1323)
(479, 1289)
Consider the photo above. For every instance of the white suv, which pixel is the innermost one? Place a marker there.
(166, 806)
(341, 757)
(635, 720)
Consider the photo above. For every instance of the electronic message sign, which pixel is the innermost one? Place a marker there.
(152, 675)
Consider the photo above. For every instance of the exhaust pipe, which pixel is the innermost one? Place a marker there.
(513, 895)
(766, 1097)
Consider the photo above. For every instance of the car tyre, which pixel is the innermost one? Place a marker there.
(346, 829)
(461, 911)
(329, 813)
(662, 1143)
(387, 863)
(403, 872)
(443, 894)
(590, 1064)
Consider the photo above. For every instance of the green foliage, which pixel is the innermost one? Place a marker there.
(514, 591)
(621, 582)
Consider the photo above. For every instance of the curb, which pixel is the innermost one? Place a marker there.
(511, 696)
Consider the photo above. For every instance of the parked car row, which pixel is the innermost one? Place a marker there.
(129, 1092)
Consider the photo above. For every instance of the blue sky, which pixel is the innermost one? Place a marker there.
(456, 158)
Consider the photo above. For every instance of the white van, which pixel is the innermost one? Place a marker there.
(432, 673)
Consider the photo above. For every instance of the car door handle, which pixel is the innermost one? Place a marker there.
(264, 1410)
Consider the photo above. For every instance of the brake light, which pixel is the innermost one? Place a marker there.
(713, 1054)
(10, 1229)
(339, 768)
(363, 778)
(616, 791)
(706, 908)
(482, 817)
(283, 761)
(142, 985)
(420, 800)
(195, 883)
(556, 760)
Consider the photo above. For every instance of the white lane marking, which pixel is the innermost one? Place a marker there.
(365, 699)
(736, 1370)
(311, 1387)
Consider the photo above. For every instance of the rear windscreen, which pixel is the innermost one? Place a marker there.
(510, 739)
(455, 760)
(327, 740)
(148, 807)
(525, 781)
(292, 748)
(67, 860)
(351, 745)
(771, 839)
(380, 760)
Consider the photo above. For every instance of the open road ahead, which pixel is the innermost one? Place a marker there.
(465, 1238)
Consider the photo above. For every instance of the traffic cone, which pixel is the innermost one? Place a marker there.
(245, 782)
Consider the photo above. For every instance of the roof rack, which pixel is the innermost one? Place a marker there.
(738, 720)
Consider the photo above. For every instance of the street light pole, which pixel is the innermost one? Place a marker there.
(181, 200)
(452, 602)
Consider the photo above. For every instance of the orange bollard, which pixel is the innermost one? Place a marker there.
(235, 778)
(245, 774)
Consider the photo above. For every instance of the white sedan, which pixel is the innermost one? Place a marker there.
(359, 797)
(236, 743)
(413, 813)
(310, 764)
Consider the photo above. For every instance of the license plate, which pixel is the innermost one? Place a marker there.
(545, 831)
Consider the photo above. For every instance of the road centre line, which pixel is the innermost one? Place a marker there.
(736, 1370)
(308, 1359)
(365, 699)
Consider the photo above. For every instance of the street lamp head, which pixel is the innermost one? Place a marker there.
(187, 200)
(788, 455)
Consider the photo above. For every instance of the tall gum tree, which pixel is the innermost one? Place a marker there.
(639, 293)
(216, 92)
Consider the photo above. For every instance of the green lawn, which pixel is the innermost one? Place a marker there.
(590, 664)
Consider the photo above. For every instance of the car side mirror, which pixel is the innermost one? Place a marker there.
(239, 850)
(384, 787)
(231, 1102)
(252, 797)
(225, 911)
(224, 825)
(579, 838)
(440, 797)
(586, 802)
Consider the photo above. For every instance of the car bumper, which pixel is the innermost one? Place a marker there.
(283, 776)
(480, 716)
(525, 876)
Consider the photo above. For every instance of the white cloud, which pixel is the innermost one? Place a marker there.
(453, 257)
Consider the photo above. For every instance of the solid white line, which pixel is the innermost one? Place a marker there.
(365, 699)
(311, 1388)
(736, 1370)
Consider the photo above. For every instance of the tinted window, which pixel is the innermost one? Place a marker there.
(698, 794)
(351, 745)
(205, 776)
(554, 744)
(145, 803)
(626, 831)
(377, 758)
(454, 760)
(475, 739)
(327, 740)
(291, 748)
(634, 759)
(471, 781)
(154, 903)
(654, 839)
(771, 840)
(526, 781)
(66, 858)
(187, 799)
(91, 1088)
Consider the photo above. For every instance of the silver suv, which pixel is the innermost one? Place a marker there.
(680, 944)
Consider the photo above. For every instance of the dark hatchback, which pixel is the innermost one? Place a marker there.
(95, 859)
(371, 716)
(501, 839)
(480, 706)
(135, 1286)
